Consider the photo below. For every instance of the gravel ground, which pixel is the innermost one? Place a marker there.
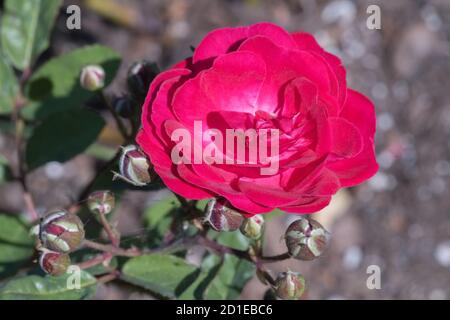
(399, 220)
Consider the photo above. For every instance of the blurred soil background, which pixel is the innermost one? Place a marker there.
(399, 220)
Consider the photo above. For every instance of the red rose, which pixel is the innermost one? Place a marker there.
(262, 77)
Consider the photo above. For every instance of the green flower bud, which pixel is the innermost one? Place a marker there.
(140, 75)
(253, 227)
(290, 285)
(54, 263)
(92, 78)
(222, 217)
(134, 167)
(101, 202)
(61, 231)
(306, 239)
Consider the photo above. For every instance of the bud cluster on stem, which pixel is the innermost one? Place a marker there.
(306, 239)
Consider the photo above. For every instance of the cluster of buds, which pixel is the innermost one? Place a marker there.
(306, 239)
(92, 78)
(59, 233)
(221, 216)
(134, 167)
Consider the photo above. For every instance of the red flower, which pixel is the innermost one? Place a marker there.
(257, 77)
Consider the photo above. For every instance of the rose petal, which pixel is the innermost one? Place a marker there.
(308, 205)
(232, 84)
(225, 40)
(162, 164)
(360, 112)
(346, 139)
(305, 41)
(236, 198)
(284, 65)
(153, 91)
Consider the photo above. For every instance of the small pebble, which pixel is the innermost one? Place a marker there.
(342, 11)
(352, 258)
(54, 170)
(442, 254)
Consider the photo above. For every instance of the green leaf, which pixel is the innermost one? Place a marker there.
(26, 28)
(233, 239)
(55, 86)
(201, 204)
(16, 245)
(220, 279)
(62, 136)
(165, 275)
(171, 277)
(5, 170)
(8, 87)
(231, 275)
(35, 287)
(159, 216)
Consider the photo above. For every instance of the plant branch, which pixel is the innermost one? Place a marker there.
(133, 252)
(113, 237)
(113, 275)
(279, 257)
(95, 261)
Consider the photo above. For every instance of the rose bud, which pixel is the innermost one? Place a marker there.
(140, 75)
(92, 78)
(54, 263)
(289, 285)
(124, 107)
(306, 239)
(253, 227)
(101, 202)
(222, 217)
(134, 167)
(61, 231)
